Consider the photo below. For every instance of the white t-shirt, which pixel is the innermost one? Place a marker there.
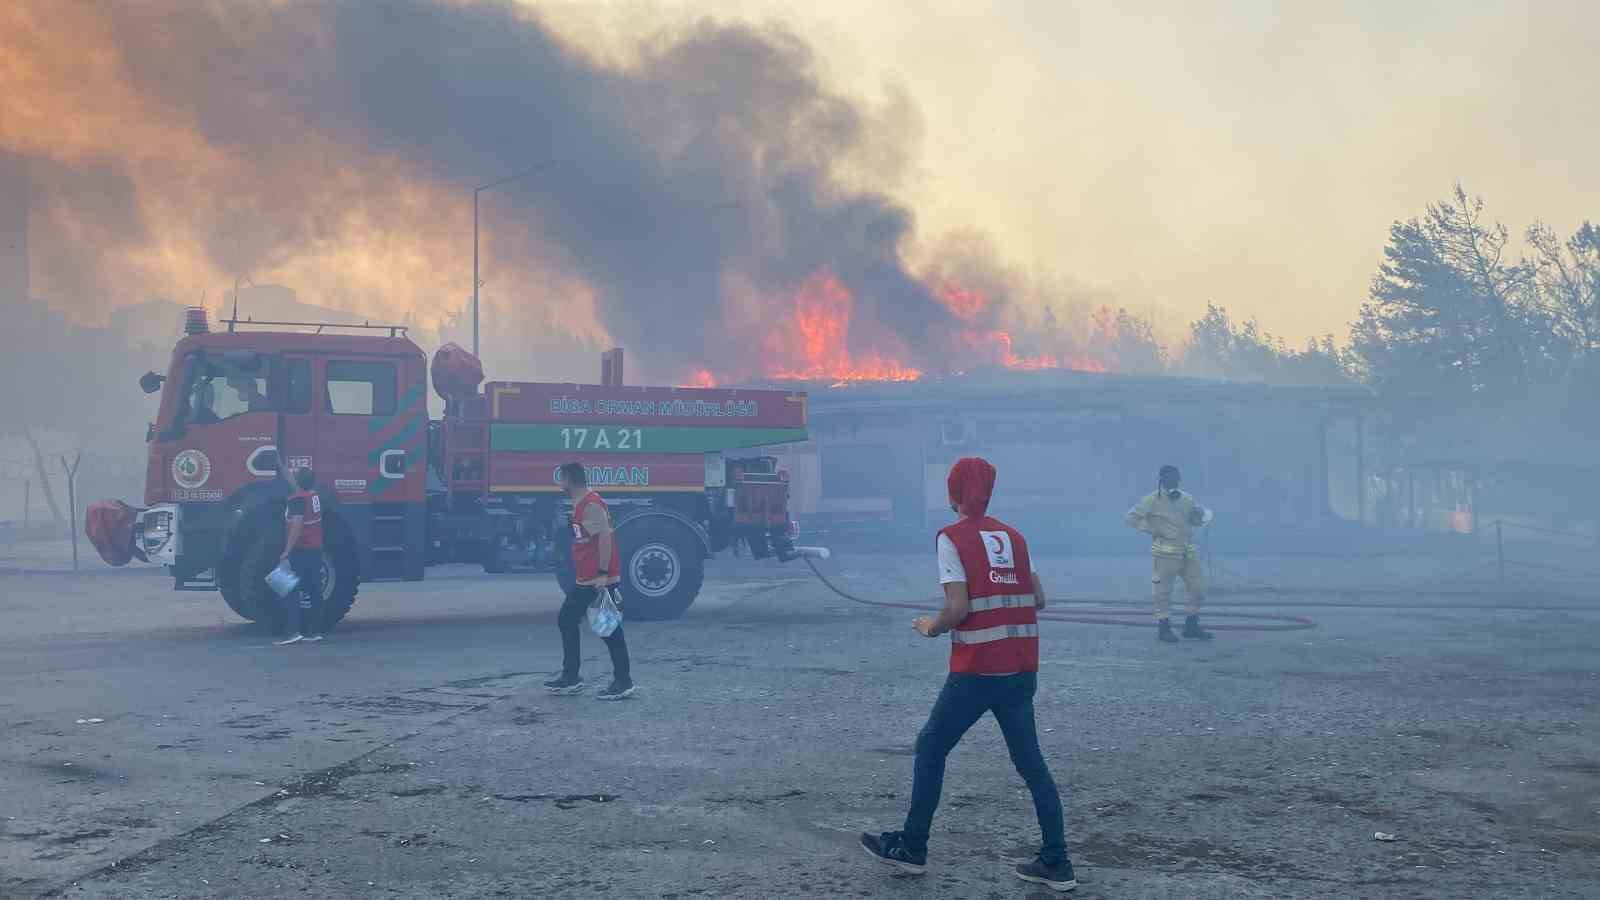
(951, 571)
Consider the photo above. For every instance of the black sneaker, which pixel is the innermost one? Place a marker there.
(564, 684)
(1193, 631)
(1164, 631)
(890, 847)
(1056, 878)
(617, 690)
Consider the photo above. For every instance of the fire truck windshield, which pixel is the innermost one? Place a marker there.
(216, 389)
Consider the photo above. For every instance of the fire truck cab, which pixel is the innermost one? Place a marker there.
(237, 408)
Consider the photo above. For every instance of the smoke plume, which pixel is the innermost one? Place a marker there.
(702, 205)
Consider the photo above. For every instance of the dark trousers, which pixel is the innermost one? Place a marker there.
(572, 620)
(961, 704)
(304, 603)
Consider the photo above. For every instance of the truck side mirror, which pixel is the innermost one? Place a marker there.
(150, 382)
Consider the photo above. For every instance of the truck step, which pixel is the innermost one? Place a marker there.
(207, 583)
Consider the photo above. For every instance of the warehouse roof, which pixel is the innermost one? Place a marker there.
(1077, 388)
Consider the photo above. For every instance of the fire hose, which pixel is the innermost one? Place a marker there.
(1102, 615)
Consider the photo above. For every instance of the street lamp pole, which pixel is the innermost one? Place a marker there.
(476, 281)
(475, 271)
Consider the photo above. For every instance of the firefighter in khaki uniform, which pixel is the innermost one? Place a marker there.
(1170, 516)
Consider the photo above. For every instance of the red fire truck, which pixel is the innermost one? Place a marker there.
(402, 491)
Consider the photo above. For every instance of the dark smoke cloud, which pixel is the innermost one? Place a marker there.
(696, 190)
(717, 153)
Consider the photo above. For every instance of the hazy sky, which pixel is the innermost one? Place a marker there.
(1162, 154)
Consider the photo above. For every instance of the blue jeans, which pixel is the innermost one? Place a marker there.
(961, 704)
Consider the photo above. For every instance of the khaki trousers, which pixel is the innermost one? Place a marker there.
(1165, 571)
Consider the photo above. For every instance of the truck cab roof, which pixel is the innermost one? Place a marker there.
(299, 342)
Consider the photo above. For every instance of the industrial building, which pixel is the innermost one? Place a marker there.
(1076, 449)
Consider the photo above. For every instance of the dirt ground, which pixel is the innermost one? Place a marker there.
(154, 746)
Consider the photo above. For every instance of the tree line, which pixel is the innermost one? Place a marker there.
(1458, 315)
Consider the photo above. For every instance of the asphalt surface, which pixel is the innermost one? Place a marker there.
(152, 745)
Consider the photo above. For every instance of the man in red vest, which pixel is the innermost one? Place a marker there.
(991, 600)
(302, 549)
(597, 566)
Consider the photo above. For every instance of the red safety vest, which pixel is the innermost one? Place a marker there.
(586, 547)
(1001, 634)
(311, 523)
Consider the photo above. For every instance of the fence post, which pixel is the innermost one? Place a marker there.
(1500, 549)
(72, 500)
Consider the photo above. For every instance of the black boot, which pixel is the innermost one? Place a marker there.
(1193, 631)
(1164, 631)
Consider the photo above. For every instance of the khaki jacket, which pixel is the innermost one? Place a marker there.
(1166, 521)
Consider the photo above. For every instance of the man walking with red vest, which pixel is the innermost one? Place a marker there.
(597, 566)
(992, 597)
(302, 548)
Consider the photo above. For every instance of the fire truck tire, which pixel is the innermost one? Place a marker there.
(263, 525)
(663, 567)
(341, 558)
(340, 576)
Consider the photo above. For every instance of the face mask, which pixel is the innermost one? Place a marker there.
(1173, 493)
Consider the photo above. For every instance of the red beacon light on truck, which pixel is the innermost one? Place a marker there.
(194, 320)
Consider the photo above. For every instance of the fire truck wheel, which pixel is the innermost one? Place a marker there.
(340, 577)
(663, 566)
(264, 525)
(341, 574)
(261, 545)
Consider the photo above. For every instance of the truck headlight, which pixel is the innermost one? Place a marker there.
(158, 532)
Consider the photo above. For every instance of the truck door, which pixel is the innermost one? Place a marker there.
(297, 422)
(359, 398)
(371, 454)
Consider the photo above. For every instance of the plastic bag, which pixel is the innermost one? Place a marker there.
(283, 580)
(605, 616)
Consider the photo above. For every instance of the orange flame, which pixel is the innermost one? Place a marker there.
(822, 309)
(996, 346)
(812, 342)
(964, 303)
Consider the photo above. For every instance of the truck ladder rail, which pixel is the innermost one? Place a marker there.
(394, 330)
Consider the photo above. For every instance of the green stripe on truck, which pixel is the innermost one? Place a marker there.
(633, 438)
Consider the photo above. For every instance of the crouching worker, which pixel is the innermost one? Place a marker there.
(992, 596)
